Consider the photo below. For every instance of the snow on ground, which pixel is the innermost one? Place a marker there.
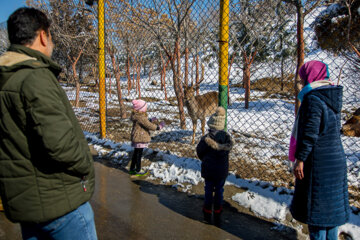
(260, 197)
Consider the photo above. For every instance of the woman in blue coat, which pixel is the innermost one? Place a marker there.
(321, 192)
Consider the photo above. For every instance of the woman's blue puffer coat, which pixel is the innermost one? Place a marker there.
(321, 198)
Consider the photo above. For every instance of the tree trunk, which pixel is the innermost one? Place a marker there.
(74, 61)
(151, 69)
(282, 64)
(134, 73)
(173, 58)
(144, 67)
(163, 75)
(246, 81)
(178, 66)
(192, 79)
(119, 93)
(94, 70)
(109, 86)
(77, 84)
(228, 89)
(197, 74)
(162, 70)
(300, 52)
(128, 74)
(81, 71)
(177, 82)
(138, 75)
(186, 66)
(246, 75)
(163, 80)
(282, 73)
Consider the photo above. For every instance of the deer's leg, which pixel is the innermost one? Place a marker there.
(194, 131)
(203, 126)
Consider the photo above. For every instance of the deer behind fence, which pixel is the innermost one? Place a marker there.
(199, 107)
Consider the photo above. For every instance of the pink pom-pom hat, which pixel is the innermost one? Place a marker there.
(139, 105)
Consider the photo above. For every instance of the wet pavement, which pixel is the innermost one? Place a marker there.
(136, 209)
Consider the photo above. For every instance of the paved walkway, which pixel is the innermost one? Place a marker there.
(132, 210)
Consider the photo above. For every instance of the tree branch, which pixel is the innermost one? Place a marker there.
(312, 7)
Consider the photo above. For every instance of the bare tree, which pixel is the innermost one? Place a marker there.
(203, 39)
(165, 20)
(117, 73)
(251, 34)
(163, 67)
(303, 8)
(73, 31)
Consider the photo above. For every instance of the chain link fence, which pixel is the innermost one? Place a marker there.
(4, 42)
(167, 53)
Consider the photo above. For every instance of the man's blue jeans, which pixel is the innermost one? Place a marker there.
(78, 224)
(323, 233)
(214, 193)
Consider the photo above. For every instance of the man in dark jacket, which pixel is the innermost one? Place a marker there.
(213, 150)
(46, 169)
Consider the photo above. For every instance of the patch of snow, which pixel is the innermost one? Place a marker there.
(261, 206)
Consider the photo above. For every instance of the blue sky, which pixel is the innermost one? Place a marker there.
(9, 6)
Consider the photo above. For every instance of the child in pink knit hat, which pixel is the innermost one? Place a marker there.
(139, 105)
(140, 134)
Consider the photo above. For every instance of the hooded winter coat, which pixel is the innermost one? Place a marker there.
(321, 197)
(213, 150)
(45, 162)
(140, 132)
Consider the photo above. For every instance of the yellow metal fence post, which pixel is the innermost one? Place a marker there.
(224, 55)
(102, 100)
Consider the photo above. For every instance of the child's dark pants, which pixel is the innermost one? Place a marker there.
(136, 160)
(216, 187)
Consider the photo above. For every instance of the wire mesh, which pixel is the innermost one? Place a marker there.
(4, 42)
(167, 53)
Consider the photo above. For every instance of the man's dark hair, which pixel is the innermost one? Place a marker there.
(23, 25)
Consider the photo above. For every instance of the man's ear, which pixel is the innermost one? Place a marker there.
(44, 41)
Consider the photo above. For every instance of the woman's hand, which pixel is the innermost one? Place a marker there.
(299, 169)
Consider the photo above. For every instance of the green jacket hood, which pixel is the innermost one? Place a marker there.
(19, 57)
